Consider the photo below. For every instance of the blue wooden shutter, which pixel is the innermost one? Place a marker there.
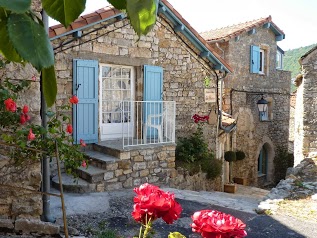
(255, 59)
(153, 91)
(85, 113)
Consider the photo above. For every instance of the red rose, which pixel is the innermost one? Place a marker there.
(151, 203)
(10, 105)
(25, 109)
(31, 136)
(215, 224)
(69, 129)
(73, 99)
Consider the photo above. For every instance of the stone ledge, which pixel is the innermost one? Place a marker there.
(27, 226)
(6, 223)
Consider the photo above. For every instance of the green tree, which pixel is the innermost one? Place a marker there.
(24, 38)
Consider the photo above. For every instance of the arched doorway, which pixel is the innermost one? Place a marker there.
(265, 165)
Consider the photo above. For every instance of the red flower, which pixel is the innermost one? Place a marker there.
(69, 129)
(83, 164)
(198, 118)
(25, 109)
(215, 224)
(152, 203)
(34, 78)
(24, 118)
(73, 99)
(31, 136)
(10, 105)
(82, 143)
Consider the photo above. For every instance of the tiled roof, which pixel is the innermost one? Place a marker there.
(108, 12)
(103, 13)
(226, 33)
(307, 53)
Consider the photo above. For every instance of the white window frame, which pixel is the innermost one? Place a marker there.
(279, 60)
(262, 61)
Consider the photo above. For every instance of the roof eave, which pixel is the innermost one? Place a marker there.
(205, 51)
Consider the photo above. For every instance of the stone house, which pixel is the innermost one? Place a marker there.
(305, 141)
(136, 96)
(251, 50)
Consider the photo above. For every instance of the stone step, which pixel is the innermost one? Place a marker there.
(74, 185)
(112, 151)
(101, 160)
(91, 174)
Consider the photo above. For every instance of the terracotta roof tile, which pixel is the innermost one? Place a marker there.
(109, 11)
(226, 33)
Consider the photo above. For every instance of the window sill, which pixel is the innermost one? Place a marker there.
(260, 175)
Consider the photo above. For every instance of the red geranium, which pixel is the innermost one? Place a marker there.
(215, 224)
(73, 99)
(82, 143)
(10, 105)
(151, 203)
(31, 135)
(83, 164)
(69, 129)
(198, 118)
(25, 109)
(24, 118)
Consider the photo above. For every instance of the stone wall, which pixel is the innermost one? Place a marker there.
(184, 71)
(306, 110)
(117, 44)
(242, 91)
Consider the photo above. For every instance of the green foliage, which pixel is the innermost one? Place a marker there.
(176, 235)
(282, 161)
(192, 148)
(16, 133)
(142, 14)
(64, 11)
(240, 155)
(18, 6)
(230, 156)
(192, 154)
(290, 61)
(49, 85)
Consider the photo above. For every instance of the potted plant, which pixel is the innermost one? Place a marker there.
(230, 156)
(240, 155)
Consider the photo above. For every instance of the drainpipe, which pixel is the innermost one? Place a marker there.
(231, 127)
(46, 216)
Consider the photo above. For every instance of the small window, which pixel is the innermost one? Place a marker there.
(268, 114)
(261, 65)
(278, 60)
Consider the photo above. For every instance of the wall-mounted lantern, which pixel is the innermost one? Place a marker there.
(263, 109)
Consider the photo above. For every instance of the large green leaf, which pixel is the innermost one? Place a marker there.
(18, 6)
(64, 11)
(142, 14)
(6, 47)
(119, 4)
(30, 40)
(49, 85)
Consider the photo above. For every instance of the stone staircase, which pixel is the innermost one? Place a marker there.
(101, 168)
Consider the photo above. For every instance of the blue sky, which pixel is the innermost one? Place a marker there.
(297, 18)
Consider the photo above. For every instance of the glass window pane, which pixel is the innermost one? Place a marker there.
(106, 71)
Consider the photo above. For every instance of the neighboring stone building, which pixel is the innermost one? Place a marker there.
(251, 50)
(305, 143)
(121, 81)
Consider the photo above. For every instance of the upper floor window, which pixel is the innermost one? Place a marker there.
(258, 59)
(279, 58)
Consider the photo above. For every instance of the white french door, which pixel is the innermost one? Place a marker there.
(116, 96)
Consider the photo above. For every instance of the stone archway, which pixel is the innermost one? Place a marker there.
(266, 154)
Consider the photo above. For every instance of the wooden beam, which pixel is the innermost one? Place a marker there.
(252, 31)
(179, 27)
(279, 37)
(205, 54)
(267, 25)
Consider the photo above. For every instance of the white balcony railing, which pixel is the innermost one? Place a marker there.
(153, 122)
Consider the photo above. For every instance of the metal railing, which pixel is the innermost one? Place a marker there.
(149, 122)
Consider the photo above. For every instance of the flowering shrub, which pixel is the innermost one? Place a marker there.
(192, 152)
(152, 203)
(215, 224)
(32, 140)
